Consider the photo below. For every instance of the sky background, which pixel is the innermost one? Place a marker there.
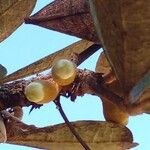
(30, 43)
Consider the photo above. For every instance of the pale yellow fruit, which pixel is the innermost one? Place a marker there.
(114, 114)
(64, 72)
(42, 91)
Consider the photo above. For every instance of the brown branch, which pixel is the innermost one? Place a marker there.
(72, 129)
(98, 87)
(79, 58)
(12, 94)
(88, 52)
(104, 92)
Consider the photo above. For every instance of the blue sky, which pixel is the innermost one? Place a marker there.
(30, 43)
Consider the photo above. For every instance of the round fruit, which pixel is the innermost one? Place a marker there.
(42, 91)
(64, 72)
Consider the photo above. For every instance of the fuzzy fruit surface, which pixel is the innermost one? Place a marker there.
(64, 72)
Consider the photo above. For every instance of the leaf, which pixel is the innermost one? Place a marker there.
(12, 14)
(48, 61)
(98, 135)
(123, 27)
(67, 16)
(111, 111)
(3, 71)
(3, 136)
(141, 92)
(102, 65)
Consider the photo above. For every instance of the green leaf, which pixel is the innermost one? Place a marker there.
(12, 14)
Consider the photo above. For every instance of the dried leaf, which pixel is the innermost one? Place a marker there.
(3, 71)
(67, 16)
(123, 26)
(48, 61)
(98, 135)
(141, 93)
(12, 14)
(102, 65)
(3, 136)
(111, 111)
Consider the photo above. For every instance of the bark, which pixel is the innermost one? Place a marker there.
(12, 94)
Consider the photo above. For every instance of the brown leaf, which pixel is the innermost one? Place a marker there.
(141, 93)
(103, 66)
(12, 14)
(95, 134)
(48, 61)
(3, 136)
(67, 16)
(111, 111)
(123, 26)
(3, 71)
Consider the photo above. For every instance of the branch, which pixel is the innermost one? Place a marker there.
(99, 88)
(57, 102)
(88, 52)
(12, 94)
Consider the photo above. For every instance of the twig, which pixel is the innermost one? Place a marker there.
(97, 86)
(81, 57)
(57, 102)
(88, 52)
(107, 94)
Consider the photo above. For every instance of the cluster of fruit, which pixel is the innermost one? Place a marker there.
(43, 91)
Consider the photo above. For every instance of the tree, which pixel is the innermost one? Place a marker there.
(110, 99)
